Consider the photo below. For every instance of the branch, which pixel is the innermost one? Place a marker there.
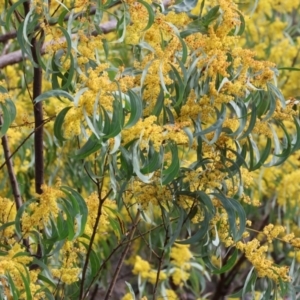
(99, 213)
(11, 172)
(13, 34)
(23, 142)
(16, 56)
(122, 258)
(38, 122)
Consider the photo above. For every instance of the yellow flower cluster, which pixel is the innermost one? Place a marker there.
(14, 264)
(144, 194)
(143, 269)
(180, 256)
(104, 226)
(7, 214)
(264, 267)
(68, 272)
(39, 212)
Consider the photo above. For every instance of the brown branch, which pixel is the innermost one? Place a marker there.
(122, 243)
(226, 281)
(161, 257)
(16, 56)
(122, 258)
(24, 141)
(13, 34)
(99, 213)
(11, 173)
(38, 121)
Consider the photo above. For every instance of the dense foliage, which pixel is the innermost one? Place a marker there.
(150, 150)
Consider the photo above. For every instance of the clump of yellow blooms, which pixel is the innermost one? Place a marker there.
(68, 272)
(39, 212)
(104, 227)
(180, 256)
(143, 269)
(7, 214)
(264, 267)
(14, 264)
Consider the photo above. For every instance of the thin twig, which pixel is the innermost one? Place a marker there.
(122, 258)
(225, 281)
(139, 232)
(84, 166)
(39, 125)
(121, 244)
(24, 141)
(17, 56)
(11, 173)
(16, 13)
(99, 213)
(160, 259)
(13, 34)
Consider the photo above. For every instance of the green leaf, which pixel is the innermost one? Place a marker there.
(10, 11)
(91, 146)
(8, 112)
(263, 156)
(14, 291)
(229, 264)
(117, 120)
(136, 165)
(296, 140)
(172, 171)
(249, 285)
(94, 261)
(289, 68)
(180, 87)
(232, 206)
(220, 119)
(212, 14)
(151, 14)
(68, 40)
(201, 231)
(79, 206)
(136, 109)
(59, 120)
(53, 93)
(26, 282)
(6, 225)
(25, 23)
(19, 254)
(153, 162)
(253, 118)
(159, 104)
(6, 121)
(62, 227)
(175, 234)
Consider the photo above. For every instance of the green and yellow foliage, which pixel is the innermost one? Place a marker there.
(159, 137)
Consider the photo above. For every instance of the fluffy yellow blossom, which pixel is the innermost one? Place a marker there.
(141, 267)
(179, 276)
(66, 275)
(127, 296)
(271, 231)
(256, 254)
(180, 255)
(104, 226)
(7, 214)
(39, 212)
(169, 295)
